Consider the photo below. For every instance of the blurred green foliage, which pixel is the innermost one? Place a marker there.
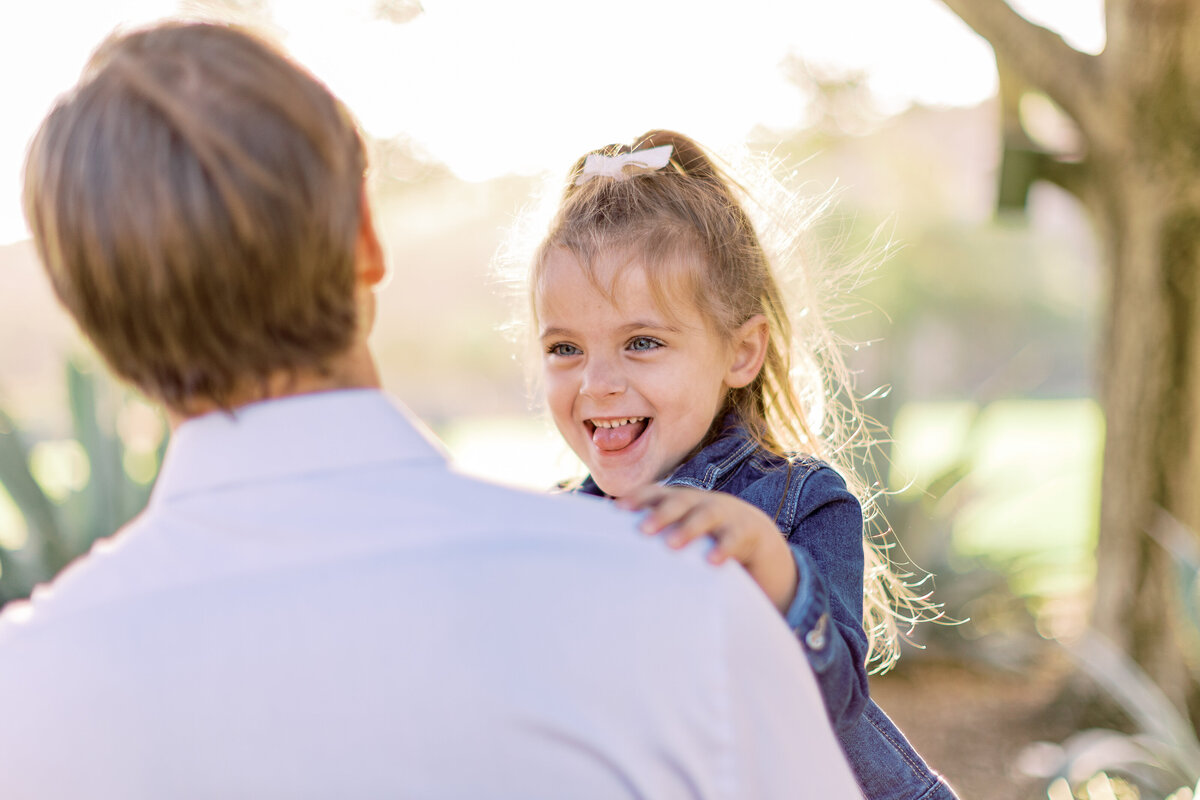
(59, 495)
(1017, 481)
(1159, 760)
(992, 464)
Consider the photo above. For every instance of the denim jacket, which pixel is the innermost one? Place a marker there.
(822, 521)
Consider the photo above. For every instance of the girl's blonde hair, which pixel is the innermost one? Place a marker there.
(801, 402)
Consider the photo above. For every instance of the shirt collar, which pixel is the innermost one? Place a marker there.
(291, 436)
(724, 452)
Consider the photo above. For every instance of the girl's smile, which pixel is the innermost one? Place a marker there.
(611, 435)
(633, 388)
(659, 315)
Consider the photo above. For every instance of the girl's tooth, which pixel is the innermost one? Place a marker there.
(614, 423)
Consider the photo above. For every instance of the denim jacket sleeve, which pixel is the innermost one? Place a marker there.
(822, 521)
(823, 524)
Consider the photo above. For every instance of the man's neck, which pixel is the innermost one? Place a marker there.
(355, 369)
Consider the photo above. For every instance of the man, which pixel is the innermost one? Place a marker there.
(314, 604)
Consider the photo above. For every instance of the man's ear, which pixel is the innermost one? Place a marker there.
(749, 346)
(370, 266)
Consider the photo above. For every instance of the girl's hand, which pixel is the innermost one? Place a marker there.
(740, 531)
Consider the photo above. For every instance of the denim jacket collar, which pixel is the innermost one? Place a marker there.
(710, 465)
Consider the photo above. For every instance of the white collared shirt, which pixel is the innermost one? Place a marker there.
(314, 604)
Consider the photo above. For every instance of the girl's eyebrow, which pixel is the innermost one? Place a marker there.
(636, 325)
(554, 332)
(654, 325)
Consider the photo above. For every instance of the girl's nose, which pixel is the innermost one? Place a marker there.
(601, 378)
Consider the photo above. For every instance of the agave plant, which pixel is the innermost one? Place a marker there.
(1161, 759)
(61, 521)
(1102, 786)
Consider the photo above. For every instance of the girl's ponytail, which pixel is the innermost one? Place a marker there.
(689, 157)
(684, 208)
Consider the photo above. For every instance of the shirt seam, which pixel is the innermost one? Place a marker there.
(172, 494)
(730, 782)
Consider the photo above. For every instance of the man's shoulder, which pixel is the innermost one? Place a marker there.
(442, 523)
(103, 575)
(576, 526)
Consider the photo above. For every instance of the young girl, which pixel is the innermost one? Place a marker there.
(668, 369)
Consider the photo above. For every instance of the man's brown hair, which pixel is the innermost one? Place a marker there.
(196, 201)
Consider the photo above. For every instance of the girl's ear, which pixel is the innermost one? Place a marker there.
(749, 350)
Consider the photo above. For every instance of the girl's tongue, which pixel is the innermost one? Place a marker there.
(618, 437)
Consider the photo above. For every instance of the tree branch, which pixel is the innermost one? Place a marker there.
(1040, 57)
(1073, 177)
(1067, 170)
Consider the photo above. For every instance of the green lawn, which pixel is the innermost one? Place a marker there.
(1027, 504)
(1030, 496)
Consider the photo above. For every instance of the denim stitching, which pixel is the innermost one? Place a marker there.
(793, 497)
(899, 750)
(736, 457)
(811, 465)
(787, 481)
(934, 790)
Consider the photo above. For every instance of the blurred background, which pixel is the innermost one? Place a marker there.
(981, 337)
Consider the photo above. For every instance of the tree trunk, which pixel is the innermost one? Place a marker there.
(1137, 105)
(1149, 390)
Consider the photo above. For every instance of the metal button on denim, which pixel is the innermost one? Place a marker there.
(817, 638)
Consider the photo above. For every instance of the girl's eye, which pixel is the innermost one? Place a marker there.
(563, 349)
(643, 343)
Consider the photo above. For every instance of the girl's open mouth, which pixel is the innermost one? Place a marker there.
(616, 433)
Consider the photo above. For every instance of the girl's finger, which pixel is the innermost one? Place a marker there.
(735, 543)
(645, 497)
(702, 519)
(670, 509)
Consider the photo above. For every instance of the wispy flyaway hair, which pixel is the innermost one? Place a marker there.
(753, 243)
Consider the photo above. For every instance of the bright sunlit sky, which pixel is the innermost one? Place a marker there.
(497, 86)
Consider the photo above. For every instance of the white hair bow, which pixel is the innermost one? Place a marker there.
(602, 166)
